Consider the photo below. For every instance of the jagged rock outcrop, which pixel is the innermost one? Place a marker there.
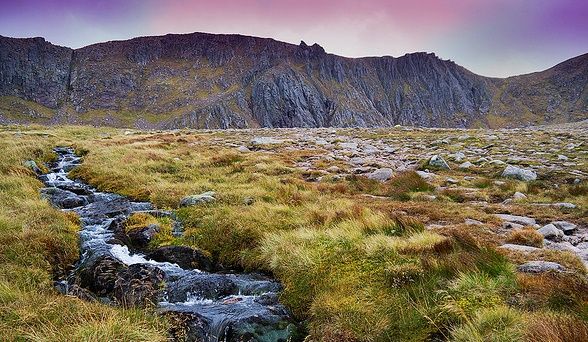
(221, 81)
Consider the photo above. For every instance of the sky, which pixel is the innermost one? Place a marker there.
(489, 37)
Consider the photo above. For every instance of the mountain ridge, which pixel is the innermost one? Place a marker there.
(203, 80)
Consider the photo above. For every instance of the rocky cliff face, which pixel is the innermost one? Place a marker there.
(221, 81)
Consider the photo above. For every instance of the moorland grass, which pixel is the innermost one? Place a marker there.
(354, 268)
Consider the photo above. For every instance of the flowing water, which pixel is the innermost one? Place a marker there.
(215, 306)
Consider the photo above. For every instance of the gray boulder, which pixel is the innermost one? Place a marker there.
(142, 236)
(551, 232)
(527, 221)
(519, 248)
(63, 199)
(381, 175)
(516, 172)
(426, 175)
(33, 166)
(564, 205)
(567, 227)
(438, 162)
(465, 165)
(265, 141)
(458, 156)
(539, 266)
(192, 200)
(511, 226)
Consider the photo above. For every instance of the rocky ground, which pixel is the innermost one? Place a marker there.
(454, 161)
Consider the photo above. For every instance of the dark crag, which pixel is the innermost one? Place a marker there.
(231, 81)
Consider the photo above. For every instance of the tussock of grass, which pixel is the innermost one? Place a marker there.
(527, 236)
(499, 324)
(138, 221)
(401, 185)
(551, 327)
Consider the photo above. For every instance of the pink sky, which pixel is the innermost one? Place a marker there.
(493, 37)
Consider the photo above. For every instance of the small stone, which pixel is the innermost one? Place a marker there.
(551, 232)
(519, 173)
(265, 141)
(519, 248)
(564, 205)
(527, 221)
(348, 145)
(452, 181)
(466, 165)
(512, 225)
(471, 222)
(243, 149)
(32, 166)
(381, 175)
(438, 162)
(539, 266)
(562, 157)
(458, 156)
(334, 169)
(205, 197)
(426, 175)
(519, 196)
(567, 227)
(496, 162)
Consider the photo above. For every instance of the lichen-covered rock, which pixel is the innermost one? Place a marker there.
(539, 266)
(466, 165)
(202, 198)
(519, 173)
(30, 164)
(527, 221)
(565, 226)
(438, 162)
(381, 175)
(520, 248)
(551, 232)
